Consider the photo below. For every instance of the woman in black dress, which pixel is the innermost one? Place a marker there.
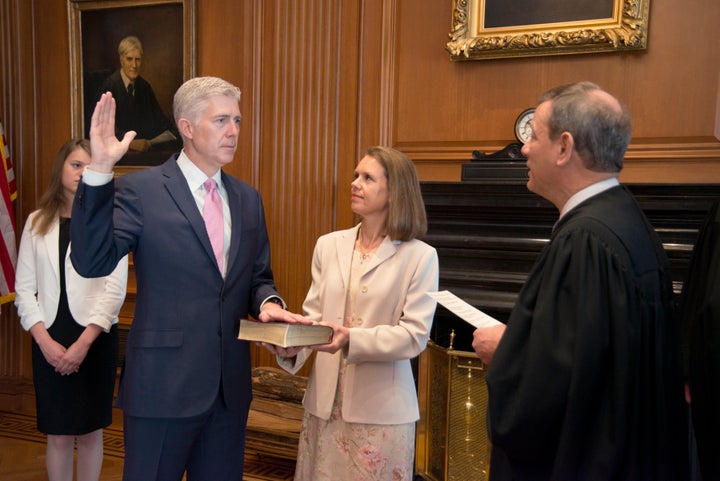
(73, 322)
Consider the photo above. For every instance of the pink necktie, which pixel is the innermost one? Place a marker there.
(213, 216)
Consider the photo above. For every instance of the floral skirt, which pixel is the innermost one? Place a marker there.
(337, 450)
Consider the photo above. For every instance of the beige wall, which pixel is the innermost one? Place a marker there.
(324, 79)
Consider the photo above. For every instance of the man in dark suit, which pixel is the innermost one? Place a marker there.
(185, 389)
(137, 108)
(585, 381)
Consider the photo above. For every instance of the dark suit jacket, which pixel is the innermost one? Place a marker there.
(182, 342)
(139, 112)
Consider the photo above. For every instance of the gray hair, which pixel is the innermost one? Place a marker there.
(129, 43)
(600, 128)
(192, 96)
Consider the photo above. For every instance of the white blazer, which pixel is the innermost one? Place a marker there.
(396, 317)
(37, 284)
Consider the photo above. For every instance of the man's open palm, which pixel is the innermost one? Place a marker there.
(106, 149)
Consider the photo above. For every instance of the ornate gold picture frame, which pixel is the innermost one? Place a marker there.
(489, 29)
(166, 29)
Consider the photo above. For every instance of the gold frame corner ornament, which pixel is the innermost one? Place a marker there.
(626, 30)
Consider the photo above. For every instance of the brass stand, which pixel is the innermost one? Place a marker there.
(452, 443)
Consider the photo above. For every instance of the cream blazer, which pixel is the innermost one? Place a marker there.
(395, 316)
(37, 284)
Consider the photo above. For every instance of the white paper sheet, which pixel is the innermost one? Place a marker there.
(466, 312)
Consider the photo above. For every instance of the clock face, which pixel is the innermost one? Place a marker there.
(523, 128)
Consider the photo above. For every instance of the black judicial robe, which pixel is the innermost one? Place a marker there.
(139, 112)
(586, 383)
(701, 326)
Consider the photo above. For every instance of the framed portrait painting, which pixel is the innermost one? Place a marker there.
(488, 29)
(141, 51)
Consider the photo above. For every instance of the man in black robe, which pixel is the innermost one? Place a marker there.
(585, 381)
(701, 330)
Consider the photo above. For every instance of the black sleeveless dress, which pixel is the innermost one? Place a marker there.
(82, 402)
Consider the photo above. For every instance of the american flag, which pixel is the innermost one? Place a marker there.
(8, 247)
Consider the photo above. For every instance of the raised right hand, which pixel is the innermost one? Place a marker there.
(106, 149)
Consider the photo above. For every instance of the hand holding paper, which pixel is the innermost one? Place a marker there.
(466, 312)
(488, 330)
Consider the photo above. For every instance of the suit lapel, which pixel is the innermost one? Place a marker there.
(345, 248)
(386, 250)
(236, 216)
(178, 189)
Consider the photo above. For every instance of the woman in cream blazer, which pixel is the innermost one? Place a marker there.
(369, 284)
(73, 324)
(91, 300)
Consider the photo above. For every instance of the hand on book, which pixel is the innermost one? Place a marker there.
(275, 313)
(341, 338)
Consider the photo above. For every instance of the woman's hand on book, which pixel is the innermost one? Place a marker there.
(340, 340)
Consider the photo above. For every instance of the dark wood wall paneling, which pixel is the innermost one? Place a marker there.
(322, 80)
(18, 116)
